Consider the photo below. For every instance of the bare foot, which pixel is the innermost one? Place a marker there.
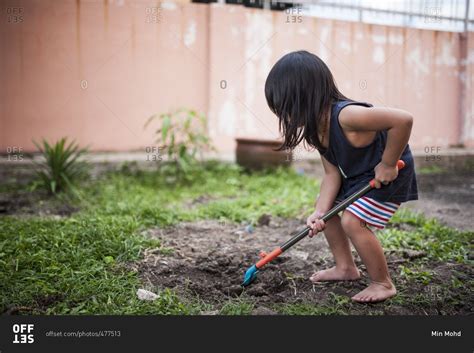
(376, 292)
(335, 274)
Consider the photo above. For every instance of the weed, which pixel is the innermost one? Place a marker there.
(237, 306)
(61, 167)
(423, 277)
(182, 135)
(436, 240)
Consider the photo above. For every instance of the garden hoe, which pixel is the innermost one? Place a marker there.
(251, 273)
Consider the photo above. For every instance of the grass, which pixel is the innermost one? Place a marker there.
(336, 305)
(431, 169)
(235, 195)
(408, 273)
(78, 264)
(439, 242)
(73, 265)
(237, 306)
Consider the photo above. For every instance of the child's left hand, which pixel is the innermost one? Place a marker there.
(385, 174)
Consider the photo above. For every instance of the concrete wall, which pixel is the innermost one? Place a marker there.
(96, 70)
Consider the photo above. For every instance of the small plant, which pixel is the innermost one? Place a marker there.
(424, 277)
(61, 167)
(183, 136)
(238, 306)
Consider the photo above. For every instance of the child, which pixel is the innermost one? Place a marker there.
(357, 142)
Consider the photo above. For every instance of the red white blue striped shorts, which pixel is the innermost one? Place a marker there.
(374, 213)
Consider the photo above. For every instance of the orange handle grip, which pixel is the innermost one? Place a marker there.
(269, 257)
(400, 165)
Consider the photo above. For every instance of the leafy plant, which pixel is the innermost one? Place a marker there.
(183, 136)
(61, 167)
(424, 277)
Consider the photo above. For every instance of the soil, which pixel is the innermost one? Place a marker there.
(208, 259)
(36, 203)
(448, 198)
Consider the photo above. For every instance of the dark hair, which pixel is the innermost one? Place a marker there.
(300, 89)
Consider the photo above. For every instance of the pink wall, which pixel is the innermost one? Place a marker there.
(131, 69)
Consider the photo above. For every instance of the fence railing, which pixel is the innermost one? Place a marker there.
(443, 15)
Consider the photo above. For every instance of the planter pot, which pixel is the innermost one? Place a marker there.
(258, 154)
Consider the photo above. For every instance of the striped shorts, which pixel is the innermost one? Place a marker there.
(373, 213)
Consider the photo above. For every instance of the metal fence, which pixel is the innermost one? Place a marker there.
(453, 15)
(442, 15)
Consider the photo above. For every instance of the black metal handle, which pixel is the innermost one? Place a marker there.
(335, 210)
(328, 215)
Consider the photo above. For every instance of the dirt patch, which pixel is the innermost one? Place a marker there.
(448, 198)
(33, 203)
(208, 259)
(41, 306)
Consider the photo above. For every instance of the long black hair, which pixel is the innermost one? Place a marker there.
(300, 89)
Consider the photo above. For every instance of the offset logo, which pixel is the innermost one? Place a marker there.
(23, 333)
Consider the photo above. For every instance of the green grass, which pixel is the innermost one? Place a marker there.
(237, 306)
(76, 265)
(335, 305)
(421, 276)
(234, 195)
(431, 169)
(428, 235)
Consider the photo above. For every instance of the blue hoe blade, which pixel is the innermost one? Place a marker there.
(250, 275)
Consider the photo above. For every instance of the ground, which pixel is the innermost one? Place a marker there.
(447, 197)
(191, 242)
(208, 258)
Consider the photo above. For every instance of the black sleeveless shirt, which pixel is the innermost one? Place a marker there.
(356, 164)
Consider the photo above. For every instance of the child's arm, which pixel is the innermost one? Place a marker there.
(398, 124)
(328, 191)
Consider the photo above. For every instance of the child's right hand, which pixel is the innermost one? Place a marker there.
(315, 223)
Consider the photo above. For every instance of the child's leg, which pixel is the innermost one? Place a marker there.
(345, 268)
(371, 253)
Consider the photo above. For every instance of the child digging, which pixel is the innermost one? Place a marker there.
(357, 142)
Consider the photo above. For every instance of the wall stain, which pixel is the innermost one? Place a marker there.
(133, 33)
(353, 49)
(333, 41)
(78, 37)
(158, 6)
(435, 49)
(387, 87)
(433, 79)
(21, 52)
(106, 15)
(403, 64)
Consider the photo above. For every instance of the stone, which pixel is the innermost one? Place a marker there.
(249, 229)
(262, 310)
(144, 294)
(299, 254)
(264, 220)
(235, 290)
